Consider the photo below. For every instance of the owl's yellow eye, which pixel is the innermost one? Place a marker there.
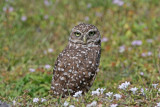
(77, 34)
(92, 33)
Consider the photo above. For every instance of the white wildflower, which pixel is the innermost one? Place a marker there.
(134, 90)
(66, 104)
(143, 90)
(78, 94)
(154, 85)
(124, 85)
(113, 105)
(14, 102)
(35, 100)
(71, 106)
(98, 91)
(102, 90)
(109, 94)
(158, 105)
(94, 103)
(43, 100)
(118, 96)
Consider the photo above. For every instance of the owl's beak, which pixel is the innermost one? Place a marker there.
(85, 39)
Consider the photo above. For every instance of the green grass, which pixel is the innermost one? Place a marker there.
(23, 45)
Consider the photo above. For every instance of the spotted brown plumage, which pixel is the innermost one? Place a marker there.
(76, 66)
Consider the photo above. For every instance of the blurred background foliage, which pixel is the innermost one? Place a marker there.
(33, 33)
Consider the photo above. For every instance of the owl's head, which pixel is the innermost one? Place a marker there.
(85, 34)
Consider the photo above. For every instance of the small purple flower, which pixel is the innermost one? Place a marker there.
(141, 73)
(46, 2)
(89, 5)
(98, 14)
(4, 9)
(122, 49)
(149, 40)
(118, 2)
(129, 49)
(149, 53)
(11, 9)
(159, 55)
(137, 43)
(47, 66)
(104, 39)
(143, 54)
(50, 50)
(45, 52)
(31, 70)
(23, 18)
(86, 18)
(46, 17)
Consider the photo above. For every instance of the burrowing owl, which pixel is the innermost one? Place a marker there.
(76, 66)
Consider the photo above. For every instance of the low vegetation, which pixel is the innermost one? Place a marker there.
(33, 33)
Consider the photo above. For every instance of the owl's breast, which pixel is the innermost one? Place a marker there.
(87, 59)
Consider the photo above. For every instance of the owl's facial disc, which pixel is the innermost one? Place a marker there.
(93, 36)
(89, 35)
(85, 34)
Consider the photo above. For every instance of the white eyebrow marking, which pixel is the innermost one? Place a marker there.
(91, 30)
(74, 30)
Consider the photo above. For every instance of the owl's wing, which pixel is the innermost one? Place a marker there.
(61, 64)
